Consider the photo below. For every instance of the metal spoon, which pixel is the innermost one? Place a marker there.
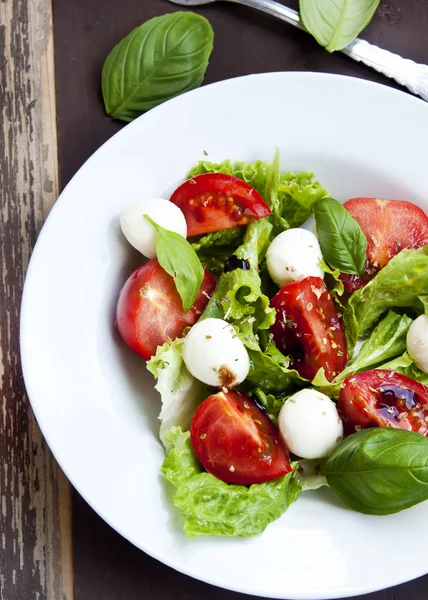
(406, 72)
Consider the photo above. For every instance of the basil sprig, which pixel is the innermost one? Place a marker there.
(342, 241)
(164, 57)
(380, 471)
(179, 260)
(336, 23)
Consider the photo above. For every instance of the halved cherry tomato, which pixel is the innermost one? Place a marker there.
(389, 226)
(308, 328)
(382, 398)
(215, 201)
(150, 310)
(236, 441)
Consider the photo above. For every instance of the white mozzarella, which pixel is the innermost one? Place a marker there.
(215, 355)
(293, 255)
(417, 342)
(310, 425)
(140, 233)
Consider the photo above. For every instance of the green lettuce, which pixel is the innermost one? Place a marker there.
(404, 365)
(333, 281)
(271, 403)
(213, 249)
(309, 474)
(294, 199)
(224, 238)
(402, 283)
(387, 341)
(239, 299)
(269, 369)
(256, 242)
(210, 506)
(180, 392)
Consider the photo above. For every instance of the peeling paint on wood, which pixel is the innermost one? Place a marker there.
(35, 541)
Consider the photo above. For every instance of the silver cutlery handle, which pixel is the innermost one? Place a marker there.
(275, 9)
(412, 75)
(406, 72)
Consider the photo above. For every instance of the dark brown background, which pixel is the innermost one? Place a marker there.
(106, 566)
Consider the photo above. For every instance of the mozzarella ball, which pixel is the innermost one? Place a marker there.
(417, 342)
(310, 425)
(293, 255)
(215, 355)
(140, 233)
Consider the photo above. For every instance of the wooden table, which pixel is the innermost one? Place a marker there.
(44, 138)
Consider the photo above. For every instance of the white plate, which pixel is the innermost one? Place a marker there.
(93, 398)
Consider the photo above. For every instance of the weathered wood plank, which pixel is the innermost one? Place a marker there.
(35, 548)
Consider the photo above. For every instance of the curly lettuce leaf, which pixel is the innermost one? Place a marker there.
(387, 341)
(256, 242)
(402, 283)
(333, 281)
(404, 365)
(225, 238)
(213, 249)
(210, 506)
(215, 259)
(180, 392)
(271, 403)
(294, 199)
(309, 474)
(269, 370)
(239, 299)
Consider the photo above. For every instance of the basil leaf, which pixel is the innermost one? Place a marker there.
(380, 471)
(343, 243)
(336, 23)
(178, 258)
(162, 58)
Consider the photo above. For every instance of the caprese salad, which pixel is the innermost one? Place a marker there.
(249, 321)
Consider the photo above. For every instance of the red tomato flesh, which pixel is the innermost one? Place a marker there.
(214, 201)
(150, 311)
(389, 226)
(236, 441)
(308, 329)
(382, 398)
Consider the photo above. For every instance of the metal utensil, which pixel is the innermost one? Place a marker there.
(406, 72)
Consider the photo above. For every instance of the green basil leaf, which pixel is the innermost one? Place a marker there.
(343, 243)
(162, 58)
(336, 23)
(178, 258)
(380, 471)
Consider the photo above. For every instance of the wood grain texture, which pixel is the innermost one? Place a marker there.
(35, 549)
(107, 567)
